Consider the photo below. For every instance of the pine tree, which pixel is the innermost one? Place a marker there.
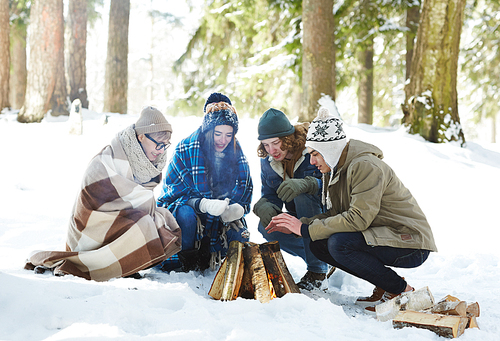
(77, 51)
(116, 77)
(4, 54)
(46, 85)
(431, 106)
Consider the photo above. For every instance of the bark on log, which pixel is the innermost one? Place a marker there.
(234, 271)
(472, 322)
(246, 288)
(473, 309)
(450, 308)
(443, 325)
(260, 281)
(273, 270)
(290, 286)
(218, 283)
(415, 300)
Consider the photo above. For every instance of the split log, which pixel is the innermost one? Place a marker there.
(472, 322)
(234, 271)
(415, 300)
(273, 271)
(473, 309)
(246, 288)
(288, 282)
(450, 308)
(218, 283)
(260, 281)
(443, 325)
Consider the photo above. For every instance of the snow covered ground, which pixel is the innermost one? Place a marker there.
(41, 169)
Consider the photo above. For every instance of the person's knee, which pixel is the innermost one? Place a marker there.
(242, 235)
(186, 218)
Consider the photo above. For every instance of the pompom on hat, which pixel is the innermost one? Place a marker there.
(219, 111)
(151, 121)
(274, 123)
(327, 136)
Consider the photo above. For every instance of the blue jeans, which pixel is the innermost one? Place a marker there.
(186, 218)
(306, 206)
(348, 251)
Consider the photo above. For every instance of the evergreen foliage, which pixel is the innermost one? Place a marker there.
(249, 50)
(481, 57)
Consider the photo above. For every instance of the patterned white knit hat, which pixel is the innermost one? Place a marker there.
(326, 136)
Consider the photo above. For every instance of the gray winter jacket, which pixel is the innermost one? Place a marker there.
(368, 197)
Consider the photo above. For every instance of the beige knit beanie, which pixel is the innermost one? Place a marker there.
(151, 121)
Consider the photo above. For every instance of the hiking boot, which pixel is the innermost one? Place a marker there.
(387, 296)
(372, 300)
(311, 280)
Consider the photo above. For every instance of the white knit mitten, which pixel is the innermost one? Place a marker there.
(232, 213)
(213, 207)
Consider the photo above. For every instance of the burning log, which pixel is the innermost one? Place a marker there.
(283, 278)
(258, 273)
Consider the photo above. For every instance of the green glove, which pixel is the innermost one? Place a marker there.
(265, 210)
(290, 188)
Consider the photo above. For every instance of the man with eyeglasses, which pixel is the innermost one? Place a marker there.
(116, 229)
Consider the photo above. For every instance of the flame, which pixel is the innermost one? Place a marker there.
(271, 287)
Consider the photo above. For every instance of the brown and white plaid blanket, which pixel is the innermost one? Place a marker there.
(116, 229)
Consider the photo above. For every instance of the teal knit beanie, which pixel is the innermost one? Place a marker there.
(274, 123)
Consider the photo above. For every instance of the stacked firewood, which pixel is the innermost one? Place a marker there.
(253, 271)
(449, 317)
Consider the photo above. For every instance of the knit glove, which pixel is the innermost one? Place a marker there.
(232, 213)
(265, 210)
(290, 188)
(213, 207)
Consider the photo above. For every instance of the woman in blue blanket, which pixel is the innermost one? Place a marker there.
(208, 189)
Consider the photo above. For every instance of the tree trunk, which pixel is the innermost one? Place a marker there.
(19, 74)
(431, 106)
(116, 78)
(494, 128)
(46, 86)
(318, 61)
(412, 18)
(365, 89)
(4, 54)
(77, 51)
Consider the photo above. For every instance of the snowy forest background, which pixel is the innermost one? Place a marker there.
(180, 51)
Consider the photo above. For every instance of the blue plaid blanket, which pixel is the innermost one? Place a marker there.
(186, 179)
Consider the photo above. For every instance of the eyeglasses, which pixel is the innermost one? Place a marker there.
(159, 145)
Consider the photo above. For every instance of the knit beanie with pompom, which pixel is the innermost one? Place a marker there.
(327, 136)
(219, 111)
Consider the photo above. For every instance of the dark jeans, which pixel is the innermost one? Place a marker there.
(306, 205)
(348, 251)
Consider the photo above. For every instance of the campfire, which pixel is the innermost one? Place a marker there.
(254, 271)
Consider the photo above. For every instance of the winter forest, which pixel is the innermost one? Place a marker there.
(430, 66)
(417, 78)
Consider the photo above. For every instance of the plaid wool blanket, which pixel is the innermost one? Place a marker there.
(115, 229)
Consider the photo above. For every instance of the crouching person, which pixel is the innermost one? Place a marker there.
(373, 222)
(289, 181)
(208, 188)
(116, 229)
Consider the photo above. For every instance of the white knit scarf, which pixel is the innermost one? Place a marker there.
(143, 169)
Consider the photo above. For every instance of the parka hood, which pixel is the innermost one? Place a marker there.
(359, 148)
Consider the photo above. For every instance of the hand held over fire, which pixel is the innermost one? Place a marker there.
(284, 223)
